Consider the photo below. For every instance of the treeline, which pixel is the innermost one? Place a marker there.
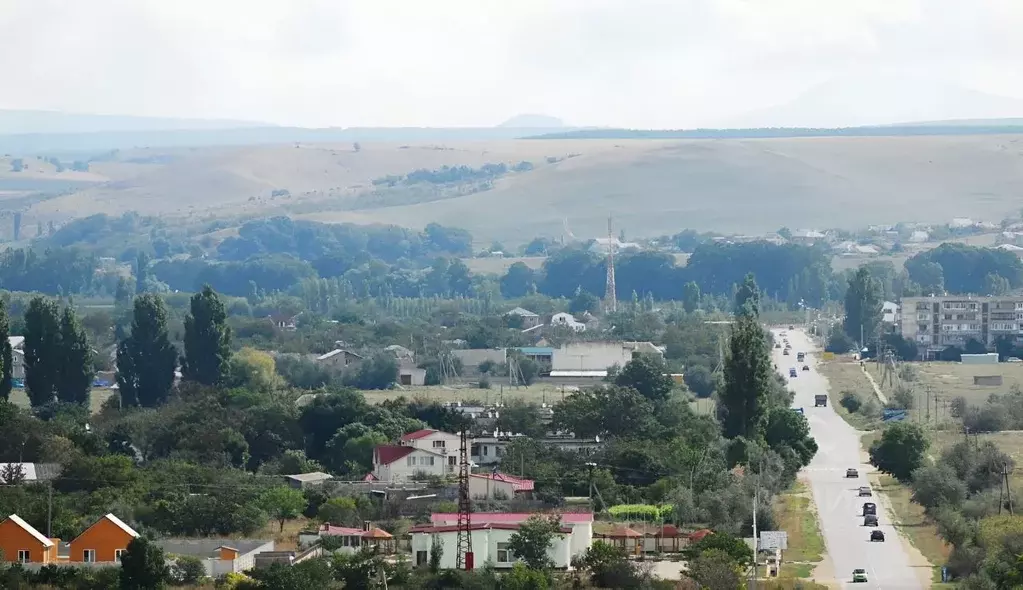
(452, 174)
(962, 491)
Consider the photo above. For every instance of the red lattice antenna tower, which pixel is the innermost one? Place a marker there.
(610, 293)
(465, 558)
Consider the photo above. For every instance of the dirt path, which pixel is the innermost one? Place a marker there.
(877, 389)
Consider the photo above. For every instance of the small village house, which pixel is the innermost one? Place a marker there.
(422, 453)
(339, 360)
(20, 542)
(284, 321)
(301, 481)
(17, 357)
(104, 541)
(498, 486)
(527, 318)
(491, 533)
(219, 556)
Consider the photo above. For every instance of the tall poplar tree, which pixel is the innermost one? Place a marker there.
(146, 359)
(75, 371)
(42, 350)
(207, 339)
(6, 353)
(747, 371)
(863, 307)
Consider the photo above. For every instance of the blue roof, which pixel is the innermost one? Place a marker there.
(536, 350)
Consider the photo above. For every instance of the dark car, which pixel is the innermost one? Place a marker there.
(792, 372)
(870, 520)
(869, 508)
(865, 491)
(852, 472)
(777, 345)
(877, 536)
(785, 352)
(806, 367)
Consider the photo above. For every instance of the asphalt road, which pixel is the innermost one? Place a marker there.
(838, 505)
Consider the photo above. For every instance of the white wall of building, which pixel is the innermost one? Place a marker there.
(590, 356)
(418, 462)
(488, 489)
(485, 547)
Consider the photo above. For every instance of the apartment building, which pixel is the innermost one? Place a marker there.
(937, 322)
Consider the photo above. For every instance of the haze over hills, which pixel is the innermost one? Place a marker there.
(530, 121)
(880, 99)
(650, 187)
(30, 121)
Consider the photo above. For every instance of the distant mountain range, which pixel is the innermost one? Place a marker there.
(14, 122)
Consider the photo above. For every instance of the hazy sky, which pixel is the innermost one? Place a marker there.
(631, 63)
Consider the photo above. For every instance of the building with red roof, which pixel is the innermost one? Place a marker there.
(491, 533)
(498, 486)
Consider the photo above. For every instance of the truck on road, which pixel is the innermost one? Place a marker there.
(820, 400)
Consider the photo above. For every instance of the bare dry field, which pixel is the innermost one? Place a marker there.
(650, 187)
(948, 380)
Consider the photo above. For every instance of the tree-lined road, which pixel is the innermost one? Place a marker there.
(839, 507)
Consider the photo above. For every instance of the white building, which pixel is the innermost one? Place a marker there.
(421, 453)
(598, 356)
(890, 312)
(491, 533)
(567, 320)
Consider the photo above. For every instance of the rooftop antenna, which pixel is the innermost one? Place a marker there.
(610, 297)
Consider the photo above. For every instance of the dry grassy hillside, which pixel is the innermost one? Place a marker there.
(651, 187)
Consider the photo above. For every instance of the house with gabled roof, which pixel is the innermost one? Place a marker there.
(20, 542)
(528, 318)
(423, 452)
(104, 541)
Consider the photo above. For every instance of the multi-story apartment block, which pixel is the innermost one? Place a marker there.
(938, 322)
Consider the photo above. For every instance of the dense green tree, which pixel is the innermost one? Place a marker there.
(75, 369)
(691, 296)
(143, 566)
(606, 411)
(282, 503)
(518, 281)
(42, 350)
(146, 359)
(6, 354)
(965, 269)
(648, 375)
(900, 451)
(786, 428)
(531, 542)
(748, 370)
(141, 272)
(207, 339)
(747, 299)
(863, 307)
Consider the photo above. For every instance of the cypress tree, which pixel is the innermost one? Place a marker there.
(747, 370)
(207, 339)
(146, 359)
(6, 354)
(42, 350)
(75, 371)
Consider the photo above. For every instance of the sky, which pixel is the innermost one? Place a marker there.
(621, 63)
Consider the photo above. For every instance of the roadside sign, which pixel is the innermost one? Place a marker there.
(828, 356)
(771, 540)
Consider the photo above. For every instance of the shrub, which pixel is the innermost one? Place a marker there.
(850, 401)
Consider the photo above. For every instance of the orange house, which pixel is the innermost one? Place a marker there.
(21, 542)
(104, 541)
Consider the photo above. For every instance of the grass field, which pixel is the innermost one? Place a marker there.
(650, 187)
(844, 374)
(19, 397)
(948, 380)
(797, 516)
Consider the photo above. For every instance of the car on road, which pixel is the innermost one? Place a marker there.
(869, 508)
(870, 520)
(785, 352)
(877, 536)
(793, 373)
(852, 472)
(791, 328)
(820, 400)
(806, 367)
(777, 345)
(859, 575)
(865, 491)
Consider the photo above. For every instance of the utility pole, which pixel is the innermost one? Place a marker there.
(756, 539)
(49, 508)
(1008, 492)
(464, 559)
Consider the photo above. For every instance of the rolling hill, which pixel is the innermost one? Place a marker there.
(651, 187)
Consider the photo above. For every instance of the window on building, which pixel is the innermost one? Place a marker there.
(411, 461)
(452, 460)
(438, 444)
(428, 461)
(117, 554)
(504, 553)
(24, 556)
(89, 556)
(421, 558)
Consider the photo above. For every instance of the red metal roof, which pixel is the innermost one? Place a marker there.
(418, 434)
(387, 454)
(476, 526)
(518, 484)
(441, 518)
(697, 535)
(370, 477)
(373, 533)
